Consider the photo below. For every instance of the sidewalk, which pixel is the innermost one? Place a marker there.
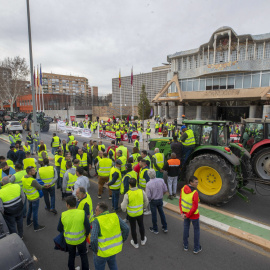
(249, 230)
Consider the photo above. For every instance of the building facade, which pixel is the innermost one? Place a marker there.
(225, 78)
(153, 82)
(64, 84)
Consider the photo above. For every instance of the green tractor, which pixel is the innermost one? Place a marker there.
(222, 167)
(44, 124)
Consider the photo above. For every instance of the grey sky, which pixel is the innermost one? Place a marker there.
(95, 38)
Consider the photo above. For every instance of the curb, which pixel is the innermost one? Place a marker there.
(254, 239)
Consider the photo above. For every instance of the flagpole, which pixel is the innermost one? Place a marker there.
(40, 107)
(41, 88)
(120, 101)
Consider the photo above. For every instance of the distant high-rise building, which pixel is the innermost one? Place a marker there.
(95, 91)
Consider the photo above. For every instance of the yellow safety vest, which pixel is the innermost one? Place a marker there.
(9, 162)
(30, 192)
(71, 139)
(56, 163)
(186, 201)
(148, 131)
(63, 167)
(135, 158)
(83, 159)
(10, 195)
(148, 158)
(190, 140)
(87, 200)
(44, 146)
(136, 143)
(159, 160)
(142, 181)
(18, 138)
(117, 183)
(111, 150)
(131, 174)
(66, 146)
(110, 240)
(71, 181)
(18, 177)
(100, 146)
(40, 155)
(123, 149)
(26, 149)
(124, 161)
(135, 203)
(46, 175)
(105, 165)
(73, 222)
(156, 126)
(118, 135)
(56, 141)
(29, 162)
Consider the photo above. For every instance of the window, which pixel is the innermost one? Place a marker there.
(179, 63)
(190, 64)
(196, 61)
(202, 84)
(209, 84)
(230, 82)
(265, 79)
(234, 56)
(242, 53)
(205, 59)
(259, 51)
(218, 57)
(238, 81)
(223, 84)
(225, 56)
(247, 81)
(216, 83)
(255, 80)
(189, 86)
(267, 50)
(195, 85)
(211, 57)
(250, 54)
(184, 63)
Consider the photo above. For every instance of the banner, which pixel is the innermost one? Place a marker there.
(72, 118)
(84, 132)
(124, 137)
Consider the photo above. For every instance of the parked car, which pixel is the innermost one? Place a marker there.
(14, 126)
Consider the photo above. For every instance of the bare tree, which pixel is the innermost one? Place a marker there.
(13, 85)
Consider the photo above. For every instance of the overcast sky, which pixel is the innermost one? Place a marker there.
(95, 38)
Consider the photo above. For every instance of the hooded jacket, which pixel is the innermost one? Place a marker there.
(195, 200)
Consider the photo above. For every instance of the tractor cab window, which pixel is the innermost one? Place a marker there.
(214, 135)
(196, 131)
(207, 135)
(253, 133)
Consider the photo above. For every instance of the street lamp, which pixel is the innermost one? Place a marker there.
(36, 126)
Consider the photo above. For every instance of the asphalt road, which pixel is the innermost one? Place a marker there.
(256, 208)
(162, 251)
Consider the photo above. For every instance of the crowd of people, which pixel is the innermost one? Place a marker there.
(134, 178)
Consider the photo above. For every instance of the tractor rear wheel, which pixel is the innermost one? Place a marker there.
(258, 163)
(246, 169)
(46, 127)
(217, 179)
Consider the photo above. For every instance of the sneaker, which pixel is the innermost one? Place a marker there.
(197, 251)
(152, 230)
(78, 268)
(165, 230)
(39, 228)
(185, 247)
(146, 213)
(110, 197)
(99, 196)
(170, 197)
(31, 222)
(133, 244)
(53, 211)
(143, 241)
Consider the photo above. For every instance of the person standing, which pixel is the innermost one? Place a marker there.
(125, 180)
(18, 137)
(135, 200)
(106, 245)
(85, 203)
(158, 163)
(11, 205)
(55, 143)
(31, 188)
(64, 147)
(172, 166)
(188, 203)
(118, 136)
(75, 226)
(70, 140)
(28, 161)
(48, 175)
(115, 183)
(11, 154)
(188, 142)
(145, 156)
(69, 180)
(26, 147)
(119, 155)
(42, 154)
(11, 138)
(83, 158)
(82, 181)
(136, 143)
(6, 170)
(104, 167)
(20, 155)
(36, 138)
(123, 149)
(30, 141)
(148, 132)
(155, 189)
(57, 156)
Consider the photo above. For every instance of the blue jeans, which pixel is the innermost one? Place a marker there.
(196, 227)
(72, 255)
(54, 149)
(14, 220)
(33, 207)
(25, 207)
(46, 192)
(186, 151)
(115, 198)
(100, 262)
(58, 183)
(154, 206)
(32, 148)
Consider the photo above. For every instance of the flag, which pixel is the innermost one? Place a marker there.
(37, 78)
(132, 76)
(119, 78)
(40, 75)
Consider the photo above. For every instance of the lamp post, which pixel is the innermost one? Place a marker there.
(35, 126)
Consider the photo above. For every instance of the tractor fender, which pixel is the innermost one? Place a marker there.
(242, 149)
(259, 144)
(231, 158)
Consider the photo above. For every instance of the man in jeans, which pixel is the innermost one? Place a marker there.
(155, 189)
(135, 200)
(188, 204)
(172, 166)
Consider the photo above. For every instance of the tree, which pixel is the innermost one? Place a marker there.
(144, 105)
(13, 84)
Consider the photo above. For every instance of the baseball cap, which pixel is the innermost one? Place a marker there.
(183, 127)
(118, 162)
